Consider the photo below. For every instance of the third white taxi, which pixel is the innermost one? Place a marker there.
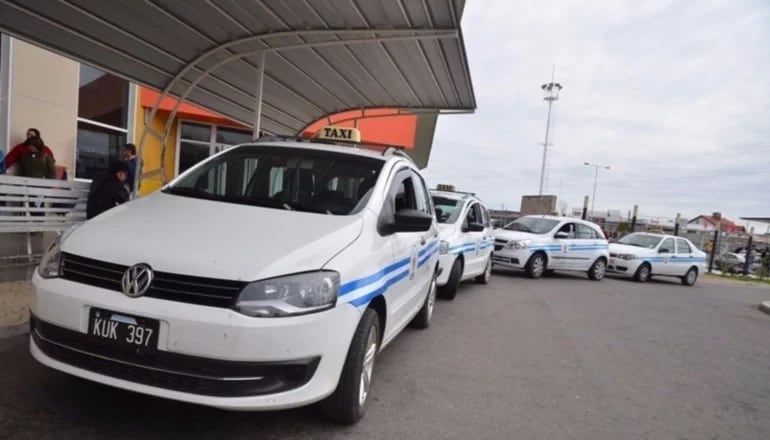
(641, 255)
(465, 249)
(542, 242)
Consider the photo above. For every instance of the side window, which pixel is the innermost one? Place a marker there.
(682, 246)
(473, 214)
(667, 245)
(568, 228)
(487, 218)
(401, 194)
(586, 232)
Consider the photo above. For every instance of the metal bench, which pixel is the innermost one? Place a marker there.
(29, 205)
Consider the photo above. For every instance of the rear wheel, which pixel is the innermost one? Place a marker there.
(690, 277)
(484, 277)
(643, 273)
(449, 291)
(598, 269)
(350, 400)
(536, 265)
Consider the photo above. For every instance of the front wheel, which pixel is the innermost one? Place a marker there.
(422, 320)
(598, 270)
(484, 277)
(535, 266)
(690, 277)
(350, 400)
(642, 274)
(449, 291)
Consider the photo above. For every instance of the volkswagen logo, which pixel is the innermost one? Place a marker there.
(136, 280)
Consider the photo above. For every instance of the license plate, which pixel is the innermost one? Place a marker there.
(125, 332)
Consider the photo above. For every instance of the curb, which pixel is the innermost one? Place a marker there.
(765, 307)
(14, 330)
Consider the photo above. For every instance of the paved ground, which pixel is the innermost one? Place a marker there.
(558, 358)
(14, 303)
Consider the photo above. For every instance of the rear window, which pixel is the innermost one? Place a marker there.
(447, 210)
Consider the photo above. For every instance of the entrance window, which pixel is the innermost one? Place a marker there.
(102, 121)
(199, 141)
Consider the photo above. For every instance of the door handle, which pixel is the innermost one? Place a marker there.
(422, 240)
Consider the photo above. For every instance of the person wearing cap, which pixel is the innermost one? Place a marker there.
(108, 191)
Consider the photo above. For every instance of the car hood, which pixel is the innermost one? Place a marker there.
(504, 234)
(616, 248)
(213, 239)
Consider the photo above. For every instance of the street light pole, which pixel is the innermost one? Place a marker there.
(551, 94)
(596, 180)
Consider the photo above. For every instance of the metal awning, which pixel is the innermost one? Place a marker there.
(319, 57)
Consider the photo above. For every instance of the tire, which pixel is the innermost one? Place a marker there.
(449, 291)
(484, 277)
(423, 317)
(690, 277)
(643, 273)
(536, 266)
(350, 400)
(598, 270)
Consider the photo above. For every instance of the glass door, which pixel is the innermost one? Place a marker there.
(199, 141)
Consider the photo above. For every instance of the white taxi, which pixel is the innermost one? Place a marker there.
(540, 243)
(266, 277)
(642, 255)
(465, 249)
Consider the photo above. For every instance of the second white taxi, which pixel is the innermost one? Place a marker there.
(465, 249)
(540, 243)
(643, 255)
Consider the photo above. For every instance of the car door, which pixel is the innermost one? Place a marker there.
(683, 260)
(563, 256)
(406, 293)
(587, 247)
(473, 257)
(488, 241)
(663, 264)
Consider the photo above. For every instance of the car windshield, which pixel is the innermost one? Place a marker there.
(284, 178)
(447, 210)
(641, 240)
(534, 225)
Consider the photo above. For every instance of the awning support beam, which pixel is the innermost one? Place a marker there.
(258, 106)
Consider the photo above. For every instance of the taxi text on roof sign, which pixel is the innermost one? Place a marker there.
(344, 134)
(445, 187)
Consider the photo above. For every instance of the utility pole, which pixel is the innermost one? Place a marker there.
(551, 94)
(596, 180)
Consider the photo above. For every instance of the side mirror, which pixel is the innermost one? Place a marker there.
(411, 220)
(561, 235)
(476, 227)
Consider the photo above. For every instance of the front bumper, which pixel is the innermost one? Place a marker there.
(623, 267)
(512, 258)
(208, 356)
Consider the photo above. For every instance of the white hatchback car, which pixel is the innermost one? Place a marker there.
(540, 243)
(266, 277)
(641, 255)
(465, 250)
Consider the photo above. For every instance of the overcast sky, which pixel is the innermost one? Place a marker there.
(673, 95)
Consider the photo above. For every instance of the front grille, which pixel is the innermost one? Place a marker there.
(173, 287)
(499, 244)
(190, 374)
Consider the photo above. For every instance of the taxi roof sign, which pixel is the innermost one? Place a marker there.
(445, 187)
(336, 133)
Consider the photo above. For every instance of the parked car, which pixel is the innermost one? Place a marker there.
(539, 243)
(268, 276)
(465, 249)
(643, 255)
(730, 262)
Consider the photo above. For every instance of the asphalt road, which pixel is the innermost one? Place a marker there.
(557, 358)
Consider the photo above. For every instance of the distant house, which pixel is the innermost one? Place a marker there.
(710, 222)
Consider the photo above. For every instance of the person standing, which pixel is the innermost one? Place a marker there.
(129, 157)
(35, 162)
(108, 191)
(13, 156)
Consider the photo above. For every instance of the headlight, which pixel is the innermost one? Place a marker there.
(626, 257)
(518, 244)
(443, 247)
(50, 264)
(290, 295)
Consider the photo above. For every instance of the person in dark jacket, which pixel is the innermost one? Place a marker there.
(129, 157)
(36, 162)
(108, 191)
(17, 152)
